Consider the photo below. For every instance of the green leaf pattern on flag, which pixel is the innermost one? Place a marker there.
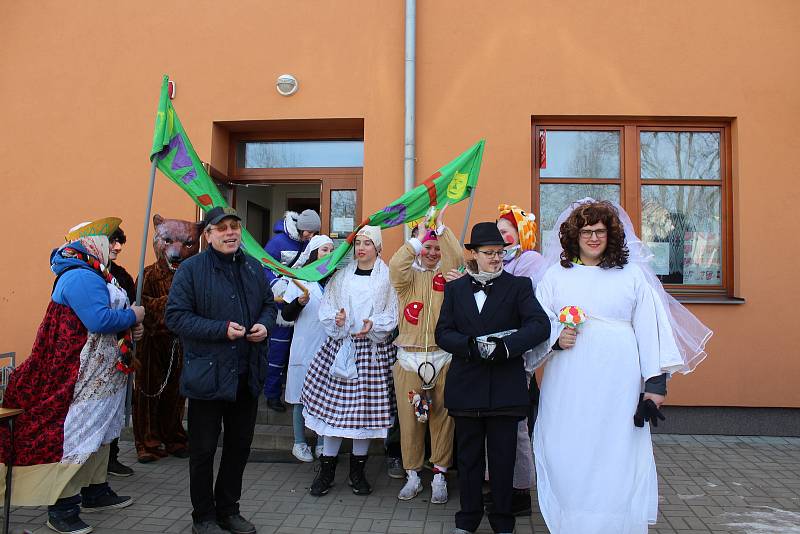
(179, 162)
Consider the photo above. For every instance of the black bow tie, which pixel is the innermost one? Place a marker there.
(486, 288)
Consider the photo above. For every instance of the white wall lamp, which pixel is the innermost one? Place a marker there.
(286, 84)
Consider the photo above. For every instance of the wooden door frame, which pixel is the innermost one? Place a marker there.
(329, 180)
(342, 182)
(631, 181)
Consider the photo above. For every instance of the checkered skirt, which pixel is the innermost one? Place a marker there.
(368, 402)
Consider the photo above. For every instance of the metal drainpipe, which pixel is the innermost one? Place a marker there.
(411, 58)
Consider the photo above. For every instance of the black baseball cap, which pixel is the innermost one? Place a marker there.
(215, 215)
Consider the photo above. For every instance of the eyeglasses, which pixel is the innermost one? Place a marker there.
(600, 234)
(234, 225)
(491, 253)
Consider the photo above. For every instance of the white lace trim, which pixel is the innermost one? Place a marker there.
(324, 429)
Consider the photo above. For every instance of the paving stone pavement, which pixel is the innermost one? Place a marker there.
(707, 484)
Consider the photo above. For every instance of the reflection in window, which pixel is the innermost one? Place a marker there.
(555, 198)
(291, 154)
(682, 226)
(343, 217)
(581, 154)
(680, 155)
(343, 211)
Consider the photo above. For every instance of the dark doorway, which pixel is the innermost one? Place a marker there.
(258, 222)
(300, 204)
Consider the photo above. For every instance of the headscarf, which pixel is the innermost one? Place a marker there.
(97, 246)
(93, 238)
(314, 244)
(373, 233)
(525, 223)
(429, 235)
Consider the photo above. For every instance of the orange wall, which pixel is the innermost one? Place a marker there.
(79, 83)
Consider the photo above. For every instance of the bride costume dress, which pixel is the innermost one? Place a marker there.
(595, 470)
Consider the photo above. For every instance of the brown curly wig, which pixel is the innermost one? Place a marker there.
(616, 254)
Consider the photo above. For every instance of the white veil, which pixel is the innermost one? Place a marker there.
(690, 334)
(315, 242)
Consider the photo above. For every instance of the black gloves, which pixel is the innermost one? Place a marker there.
(473, 354)
(500, 352)
(647, 410)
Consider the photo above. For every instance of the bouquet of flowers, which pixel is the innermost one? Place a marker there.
(571, 316)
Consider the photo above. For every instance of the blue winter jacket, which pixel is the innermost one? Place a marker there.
(81, 288)
(283, 247)
(202, 301)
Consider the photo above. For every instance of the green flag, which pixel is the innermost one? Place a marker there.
(449, 185)
(179, 162)
(177, 158)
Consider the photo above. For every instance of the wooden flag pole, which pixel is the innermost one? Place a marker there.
(304, 289)
(140, 279)
(300, 286)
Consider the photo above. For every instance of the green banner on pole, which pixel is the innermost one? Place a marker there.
(178, 161)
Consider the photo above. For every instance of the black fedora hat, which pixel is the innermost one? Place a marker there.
(485, 234)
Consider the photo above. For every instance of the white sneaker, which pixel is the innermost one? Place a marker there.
(319, 450)
(302, 452)
(439, 489)
(412, 488)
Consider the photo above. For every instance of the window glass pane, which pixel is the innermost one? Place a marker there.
(343, 216)
(682, 225)
(680, 155)
(556, 197)
(288, 154)
(573, 154)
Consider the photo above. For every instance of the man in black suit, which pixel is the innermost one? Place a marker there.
(486, 390)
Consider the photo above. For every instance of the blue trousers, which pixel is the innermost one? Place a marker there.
(280, 340)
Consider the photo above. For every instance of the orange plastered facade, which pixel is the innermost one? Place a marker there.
(79, 89)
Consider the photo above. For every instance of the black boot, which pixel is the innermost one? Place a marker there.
(324, 479)
(357, 479)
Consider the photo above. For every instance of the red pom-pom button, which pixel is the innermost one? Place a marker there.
(412, 311)
(438, 282)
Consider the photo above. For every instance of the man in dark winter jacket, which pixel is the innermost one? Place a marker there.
(221, 306)
(292, 234)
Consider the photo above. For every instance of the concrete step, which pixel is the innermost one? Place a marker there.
(267, 416)
(274, 431)
(279, 438)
